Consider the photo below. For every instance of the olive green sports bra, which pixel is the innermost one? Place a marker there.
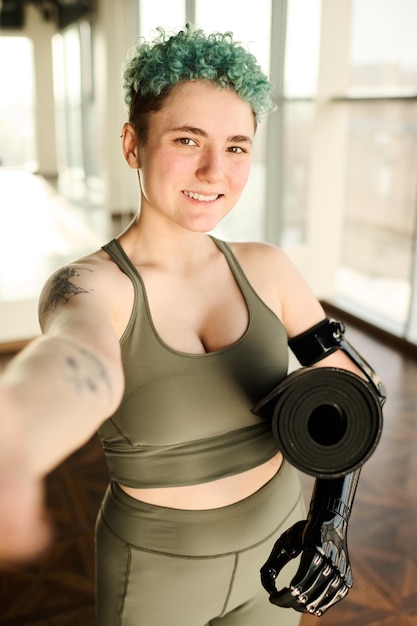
(186, 418)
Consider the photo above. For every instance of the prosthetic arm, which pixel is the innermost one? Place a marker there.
(332, 417)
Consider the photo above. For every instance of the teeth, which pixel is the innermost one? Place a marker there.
(198, 196)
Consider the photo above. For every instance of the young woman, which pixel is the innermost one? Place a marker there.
(163, 341)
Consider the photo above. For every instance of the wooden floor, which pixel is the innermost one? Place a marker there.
(58, 591)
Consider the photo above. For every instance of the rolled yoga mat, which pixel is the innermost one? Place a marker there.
(326, 421)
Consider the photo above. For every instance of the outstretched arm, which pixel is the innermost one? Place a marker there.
(53, 397)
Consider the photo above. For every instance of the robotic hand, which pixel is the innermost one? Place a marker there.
(324, 575)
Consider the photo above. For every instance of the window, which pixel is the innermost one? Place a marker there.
(381, 183)
(17, 140)
(302, 39)
(173, 12)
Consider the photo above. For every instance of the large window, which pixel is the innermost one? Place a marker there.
(376, 273)
(346, 168)
(380, 215)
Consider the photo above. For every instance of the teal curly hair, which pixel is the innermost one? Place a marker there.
(152, 69)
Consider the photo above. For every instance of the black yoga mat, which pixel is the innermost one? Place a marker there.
(327, 421)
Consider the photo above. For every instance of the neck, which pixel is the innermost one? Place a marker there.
(154, 242)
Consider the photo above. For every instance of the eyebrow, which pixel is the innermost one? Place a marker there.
(202, 133)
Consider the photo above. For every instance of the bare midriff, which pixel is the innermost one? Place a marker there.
(211, 495)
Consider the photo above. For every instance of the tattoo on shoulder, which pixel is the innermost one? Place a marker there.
(62, 289)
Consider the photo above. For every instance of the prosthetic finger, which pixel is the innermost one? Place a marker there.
(307, 579)
(321, 588)
(319, 603)
(286, 548)
(316, 586)
(327, 602)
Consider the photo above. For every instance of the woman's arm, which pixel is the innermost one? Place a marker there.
(66, 383)
(53, 397)
(324, 575)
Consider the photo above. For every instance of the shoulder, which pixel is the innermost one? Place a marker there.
(278, 280)
(259, 256)
(87, 282)
(84, 274)
(257, 250)
(266, 268)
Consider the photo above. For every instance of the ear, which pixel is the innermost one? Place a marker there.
(130, 146)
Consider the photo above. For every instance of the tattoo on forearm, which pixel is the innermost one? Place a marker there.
(86, 371)
(62, 289)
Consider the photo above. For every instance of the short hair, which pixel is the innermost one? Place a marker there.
(153, 69)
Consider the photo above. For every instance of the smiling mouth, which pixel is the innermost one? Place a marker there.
(201, 197)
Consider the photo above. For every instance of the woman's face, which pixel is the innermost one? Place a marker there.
(196, 159)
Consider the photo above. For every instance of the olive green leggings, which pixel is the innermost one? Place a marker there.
(158, 566)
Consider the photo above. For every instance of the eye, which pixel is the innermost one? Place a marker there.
(186, 141)
(236, 150)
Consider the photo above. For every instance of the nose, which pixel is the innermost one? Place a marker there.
(211, 165)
